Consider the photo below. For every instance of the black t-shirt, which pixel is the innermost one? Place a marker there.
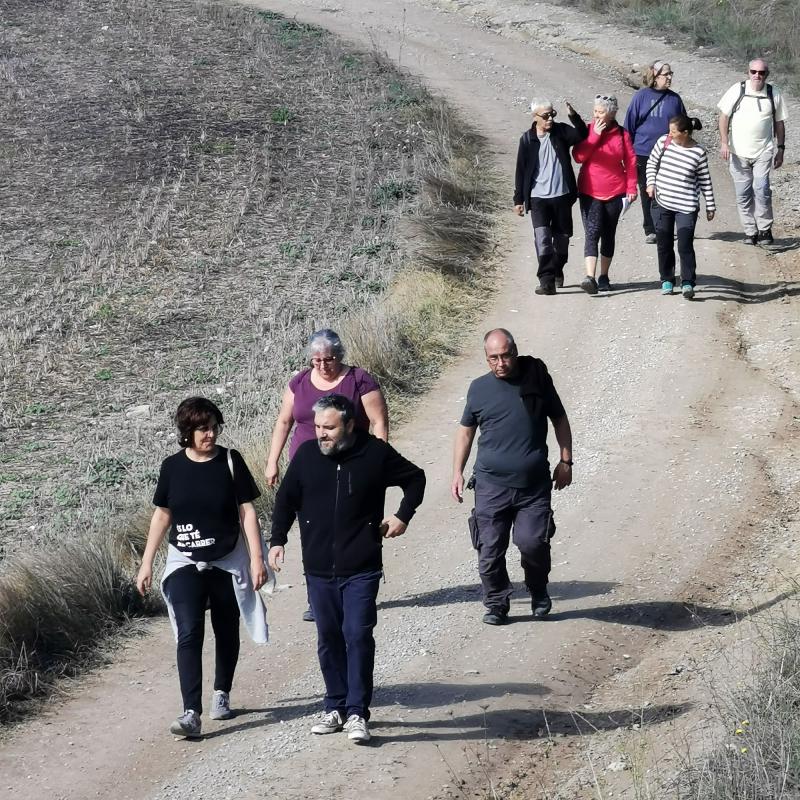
(203, 502)
(512, 448)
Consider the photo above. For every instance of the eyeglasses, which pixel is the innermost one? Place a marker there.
(494, 358)
(547, 115)
(665, 74)
(761, 72)
(326, 360)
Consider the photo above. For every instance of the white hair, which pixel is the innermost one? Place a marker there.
(540, 102)
(326, 340)
(607, 102)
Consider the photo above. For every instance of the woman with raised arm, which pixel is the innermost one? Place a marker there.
(606, 181)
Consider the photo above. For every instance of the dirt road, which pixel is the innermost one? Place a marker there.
(673, 427)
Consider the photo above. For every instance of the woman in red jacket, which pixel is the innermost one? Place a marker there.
(607, 178)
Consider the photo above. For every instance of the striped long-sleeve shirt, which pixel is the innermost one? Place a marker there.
(681, 176)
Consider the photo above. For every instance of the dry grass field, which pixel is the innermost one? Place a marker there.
(188, 189)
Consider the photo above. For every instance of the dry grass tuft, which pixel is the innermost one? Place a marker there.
(760, 756)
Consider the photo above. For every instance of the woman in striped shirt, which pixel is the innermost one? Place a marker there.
(677, 174)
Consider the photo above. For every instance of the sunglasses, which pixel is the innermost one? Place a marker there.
(758, 72)
(608, 98)
(547, 115)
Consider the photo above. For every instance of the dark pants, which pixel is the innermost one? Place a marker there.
(666, 222)
(641, 179)
(345, 613)
(600, 218)
(552, 228)
(190, 592)
(497, 509)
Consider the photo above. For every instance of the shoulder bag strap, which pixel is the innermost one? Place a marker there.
(649, 111)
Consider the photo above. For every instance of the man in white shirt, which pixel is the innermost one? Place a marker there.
(752, 130)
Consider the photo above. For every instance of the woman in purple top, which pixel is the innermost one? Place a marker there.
(328, 374)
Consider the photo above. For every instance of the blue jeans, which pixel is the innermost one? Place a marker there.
(346, 614)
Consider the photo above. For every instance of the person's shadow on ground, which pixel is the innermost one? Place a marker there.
(471, 592)
(664, 615)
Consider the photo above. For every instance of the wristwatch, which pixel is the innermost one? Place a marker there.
(781, 147)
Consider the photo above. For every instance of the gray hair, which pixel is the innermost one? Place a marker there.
(608, 102)
(540, 102)
(338, 403)
(325, 339)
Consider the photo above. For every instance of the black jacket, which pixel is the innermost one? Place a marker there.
(563, 137)
(339, 501)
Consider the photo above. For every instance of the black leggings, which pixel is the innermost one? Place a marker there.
(190, 592)
(641, 179)
(600, 218)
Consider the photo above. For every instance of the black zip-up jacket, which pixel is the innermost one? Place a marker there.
(339, 499)
(563, 137)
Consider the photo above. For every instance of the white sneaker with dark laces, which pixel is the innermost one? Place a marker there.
(331, 722)
(220, 705)
(357, 729)
(188, 724)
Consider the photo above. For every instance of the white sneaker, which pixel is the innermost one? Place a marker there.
(188, 724)
(357, 729)
(331, 722)
(220, 705)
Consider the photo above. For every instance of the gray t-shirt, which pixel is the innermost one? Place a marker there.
(549, 178)
(512, 447)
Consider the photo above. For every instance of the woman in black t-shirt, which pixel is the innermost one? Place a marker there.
(203, 493)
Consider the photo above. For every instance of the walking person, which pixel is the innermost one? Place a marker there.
(328, 373)
(544, 185)
(607, 179)
(753, 147)
(646, 120)
(511, 405)
(204, 494)
(335, 487)
(677, 174)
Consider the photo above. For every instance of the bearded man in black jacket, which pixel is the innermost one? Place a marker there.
(336, 487)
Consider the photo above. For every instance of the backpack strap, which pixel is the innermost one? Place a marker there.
(770, 97)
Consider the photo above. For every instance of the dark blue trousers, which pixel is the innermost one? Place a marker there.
(346, 614)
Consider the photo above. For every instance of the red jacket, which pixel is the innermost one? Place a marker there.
(609, 163)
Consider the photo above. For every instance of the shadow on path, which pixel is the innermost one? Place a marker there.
(471, 593)
(528, 724)
(664, 615)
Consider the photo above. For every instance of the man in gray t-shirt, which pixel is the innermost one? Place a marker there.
(511, 405)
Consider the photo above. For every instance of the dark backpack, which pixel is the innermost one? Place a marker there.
(742, 95)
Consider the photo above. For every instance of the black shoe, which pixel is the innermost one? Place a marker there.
(559, 280)
(495, 616)
(603, 284)
(546, 287)
(750, 238)
(765, 237)
(589, 285)
(308, 615)
(541, 605)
